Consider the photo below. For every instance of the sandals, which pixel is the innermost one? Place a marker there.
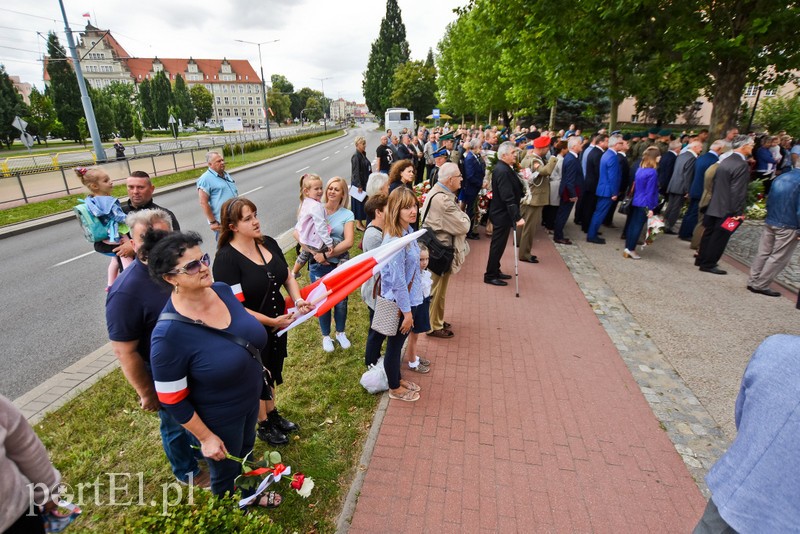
(408, 396)
(409, 385)
(424, 361)
(273, 500)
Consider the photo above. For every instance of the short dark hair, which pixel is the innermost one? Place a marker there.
(165, 253)
(139, 174)
(375, 203)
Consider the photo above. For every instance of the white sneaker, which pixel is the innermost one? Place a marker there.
(327, 344)
(342, 339)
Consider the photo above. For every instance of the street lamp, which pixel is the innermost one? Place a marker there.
(322, 81)
(263, 81)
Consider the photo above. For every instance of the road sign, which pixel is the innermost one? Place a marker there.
(27, 139)
(19, 124)
(436, 114)
(172, 120)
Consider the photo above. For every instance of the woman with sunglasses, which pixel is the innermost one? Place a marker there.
(207, 381)
(254, 266)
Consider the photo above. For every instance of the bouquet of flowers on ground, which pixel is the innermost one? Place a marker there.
(655, 226)
(259, 475)
(421, 190)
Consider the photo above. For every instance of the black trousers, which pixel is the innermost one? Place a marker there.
(549, 217)
(588, 207)
(713, 243)
(496, 249)
(562, 216)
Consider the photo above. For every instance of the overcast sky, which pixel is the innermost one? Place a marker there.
(317, 39)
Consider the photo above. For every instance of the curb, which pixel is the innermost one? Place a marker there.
(50, 220)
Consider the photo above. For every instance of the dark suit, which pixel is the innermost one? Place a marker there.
(624, 185)
(728, 198)
(607, 186)
(420, 162)
(701, 165)
(665, 168)
(405, 152)
(678, 187)
(474, 173)
(588, 196)
(570, 187)
(503, 212)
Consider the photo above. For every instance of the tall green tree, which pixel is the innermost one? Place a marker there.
(203, 102)
(779, 113)
(183, 101)
(120, 96)
(280, 104)
(388, 51)
(429, 60)
(103, 113)
(414, 87)
(64, 88)
(161, 94)
(11, 105)
(41, 115)
(313, 108)
(146, 104)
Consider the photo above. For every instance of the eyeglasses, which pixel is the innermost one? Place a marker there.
(193, 267)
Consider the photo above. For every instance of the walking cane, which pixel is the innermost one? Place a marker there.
(516, 260)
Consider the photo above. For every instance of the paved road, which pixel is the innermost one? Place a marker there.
(52, 291)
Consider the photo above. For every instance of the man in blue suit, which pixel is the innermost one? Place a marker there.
(474, 174)
(607, 187)
(569, 189)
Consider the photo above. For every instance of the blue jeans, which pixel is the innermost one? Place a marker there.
(177, 442)
(239, 435)
(690, 219)
(317, 271)
(600, 212)
(637, 220)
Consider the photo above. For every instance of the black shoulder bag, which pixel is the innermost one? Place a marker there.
(249, 347)
(441, 255)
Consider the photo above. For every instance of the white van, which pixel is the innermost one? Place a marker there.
(399, 118)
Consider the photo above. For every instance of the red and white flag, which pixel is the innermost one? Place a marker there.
(237, 292)
(86, 16)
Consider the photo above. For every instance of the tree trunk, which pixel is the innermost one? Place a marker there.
(552, 124)
(490, 117)
(729, 84)
(612, 117)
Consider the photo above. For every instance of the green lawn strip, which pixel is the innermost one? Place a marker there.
(104, 431)
(57, 205)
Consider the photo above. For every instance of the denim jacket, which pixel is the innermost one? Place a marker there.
(398, 273)
(783, 202)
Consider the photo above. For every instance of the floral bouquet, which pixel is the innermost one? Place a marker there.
(484, 197)
(655, 226)
(261, 474)
(421, 190)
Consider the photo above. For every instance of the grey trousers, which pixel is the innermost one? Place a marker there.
(674, 206)
(712, 522)
(774, 252)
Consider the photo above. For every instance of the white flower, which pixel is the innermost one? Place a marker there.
(305, 490)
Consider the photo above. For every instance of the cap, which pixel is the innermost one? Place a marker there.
(616, 132)
(446, 137)
(653, 131)
(442, 152)
(627, 137)
(532, 135)
(663, 133)
(541, 142)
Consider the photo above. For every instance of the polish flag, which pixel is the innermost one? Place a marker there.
(172, 392)
(86, 15)
(237, 292)
(332, 288)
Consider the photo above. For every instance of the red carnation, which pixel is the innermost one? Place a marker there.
(297, 481)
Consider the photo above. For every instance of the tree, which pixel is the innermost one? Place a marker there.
(778, 113)
(41, 115)
(313, 108)
(280, 105)
(203, 102)
(120, 96)
(281, 84)
(183, 101)
(83, 130)
(414, 87)
(103, 113)
(388, 51)
(64, 89)
(11, 105)
(146, 104)
(161, 95)
(138, 132)
(429, 60)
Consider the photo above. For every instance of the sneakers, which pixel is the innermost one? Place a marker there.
(266, 431)
(342, 339)
(631, 254)
(419, 368)
(327, 344)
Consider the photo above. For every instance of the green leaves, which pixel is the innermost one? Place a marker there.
(388, 51)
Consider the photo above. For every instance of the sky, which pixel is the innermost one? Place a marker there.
(316, 39)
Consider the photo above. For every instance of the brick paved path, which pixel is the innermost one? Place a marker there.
(528, 422)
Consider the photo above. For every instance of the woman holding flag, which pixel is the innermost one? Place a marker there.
(399, 281)
(254, 266)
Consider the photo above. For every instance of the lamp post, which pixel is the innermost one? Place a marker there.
(263, 81)
(322, 81)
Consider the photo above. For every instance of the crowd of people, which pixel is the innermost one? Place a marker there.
(197, 339)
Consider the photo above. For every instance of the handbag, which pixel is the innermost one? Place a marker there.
(625, 205)
(386, 320)
(441, 255)
(374, 378)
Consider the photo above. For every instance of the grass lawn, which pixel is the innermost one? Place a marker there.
(57, 205)
(103, 431)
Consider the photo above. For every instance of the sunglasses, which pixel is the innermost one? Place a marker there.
(193, 267)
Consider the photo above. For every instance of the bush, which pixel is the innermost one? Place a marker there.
(253, 146)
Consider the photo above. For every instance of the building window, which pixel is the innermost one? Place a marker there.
(770, 92)
(235, 112)
(224, 88)
(241, 88)
(219, 101)
(258, 101)
(250, 100)
(751, 90)
(252, 114)
(227, 100)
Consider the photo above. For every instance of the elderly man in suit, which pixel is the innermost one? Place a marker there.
(608, 184)
(701, 165)
(679, 183)
(667, 165)
(728, 200)
(591, 177)
(569, 190)
(504, 210)
(474, 174)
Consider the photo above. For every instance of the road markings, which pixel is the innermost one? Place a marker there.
(326, 157)
(251, 191)
(72, 259)
(337, 152)
(301, 170)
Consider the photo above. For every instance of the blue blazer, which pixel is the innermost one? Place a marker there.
(610, 175)
(701, 165)
(571, 177)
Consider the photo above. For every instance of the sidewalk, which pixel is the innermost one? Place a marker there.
(530, 420)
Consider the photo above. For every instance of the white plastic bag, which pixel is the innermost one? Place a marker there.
(374, 379)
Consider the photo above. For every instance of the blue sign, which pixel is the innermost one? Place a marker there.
(436, 114)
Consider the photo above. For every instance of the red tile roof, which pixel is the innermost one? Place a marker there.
(141, 67)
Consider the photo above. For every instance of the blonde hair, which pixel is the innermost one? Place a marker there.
(89, 175)
(399, 199)
(305, 183)
(345, 202)
(650, 158)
